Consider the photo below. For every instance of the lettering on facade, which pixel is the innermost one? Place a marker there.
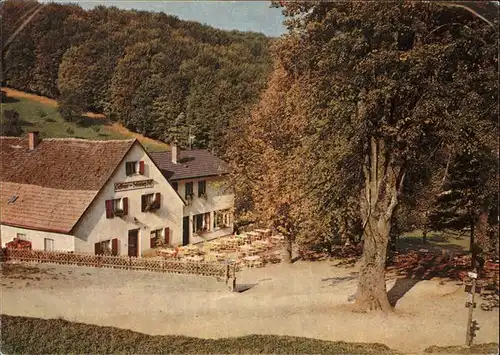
(133, 185)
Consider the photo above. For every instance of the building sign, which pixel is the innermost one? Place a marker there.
(133, 185)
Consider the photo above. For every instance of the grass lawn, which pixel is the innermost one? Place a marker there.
(435, 240)
(491, 348)
(45, 118)
(23, 335)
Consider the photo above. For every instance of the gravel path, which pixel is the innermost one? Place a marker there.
(303, 299)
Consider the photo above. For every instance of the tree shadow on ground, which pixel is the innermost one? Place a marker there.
(84, 121)
(244, 287)
(415, 266)
(334, 281)
(399, 289)
(7, 99)
(26, 123)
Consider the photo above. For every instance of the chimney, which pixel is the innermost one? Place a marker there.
(174, 150)
(33, 140)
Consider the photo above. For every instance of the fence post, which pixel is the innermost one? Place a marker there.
(471, 325)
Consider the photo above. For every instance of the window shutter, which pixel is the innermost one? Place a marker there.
(158, 200)
(125, 205)
(127, 169)
(167, 236)
(109, 208)
(97, 249)
(141, 167)
(143, 203)
(114, 246)
(152, 241)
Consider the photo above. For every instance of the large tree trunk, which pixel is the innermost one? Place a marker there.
(482, 238)
(372, 293)
(379, 198)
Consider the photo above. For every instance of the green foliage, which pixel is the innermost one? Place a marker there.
(140, 68)
(70, 130)
(11, 124)
(366, 96)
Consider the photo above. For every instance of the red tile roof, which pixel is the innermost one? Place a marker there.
(42, 208)
(190, 164)
(55, 183)
(66, 164)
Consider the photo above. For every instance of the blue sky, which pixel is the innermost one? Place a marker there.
(240, 15)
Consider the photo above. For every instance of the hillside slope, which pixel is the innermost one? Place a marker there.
(153, 72)
(40, 113)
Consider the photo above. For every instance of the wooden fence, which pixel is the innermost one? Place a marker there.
(158, 264)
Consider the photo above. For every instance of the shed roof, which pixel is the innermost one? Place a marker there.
(190, 164)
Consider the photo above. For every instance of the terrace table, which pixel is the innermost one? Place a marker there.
(244, 239)
(169, 252)
(190, 250)
(278, 238)
(254, 235)
(247, 249)
(261, 244)
(195, 258)
(254, 260)
(264, 232)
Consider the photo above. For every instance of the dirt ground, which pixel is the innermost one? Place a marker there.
(304, 299)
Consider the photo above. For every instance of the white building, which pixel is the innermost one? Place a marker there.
(86, 196)
(201, 179)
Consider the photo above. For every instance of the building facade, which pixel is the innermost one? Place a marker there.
(110, 197)
(201, 180)
(86, 196)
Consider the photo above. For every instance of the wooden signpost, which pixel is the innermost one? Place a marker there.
(472, 325)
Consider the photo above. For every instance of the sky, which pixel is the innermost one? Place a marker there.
(240, 15)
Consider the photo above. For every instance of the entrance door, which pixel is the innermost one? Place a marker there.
(185, 230)
(133, 242)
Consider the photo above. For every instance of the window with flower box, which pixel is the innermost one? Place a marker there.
(117, 207)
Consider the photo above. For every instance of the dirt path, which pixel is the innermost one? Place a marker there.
(304, 299)
(115, 127)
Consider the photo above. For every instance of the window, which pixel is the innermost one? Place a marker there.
(134, 167)
(106, 247)
(156, 238)
(22, 236)
(175, 185)
(117, 207)
(189, 190)
(201, 222)
(222, 218)
(150, 202)
(48, 244)
(202, 188)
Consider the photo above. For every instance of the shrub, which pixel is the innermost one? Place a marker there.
(42, 113)
(70, 130)
(49, 120)
(11, 124)
(96, 129)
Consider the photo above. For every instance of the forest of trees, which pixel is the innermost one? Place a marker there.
(151, 71)
(379, 117)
